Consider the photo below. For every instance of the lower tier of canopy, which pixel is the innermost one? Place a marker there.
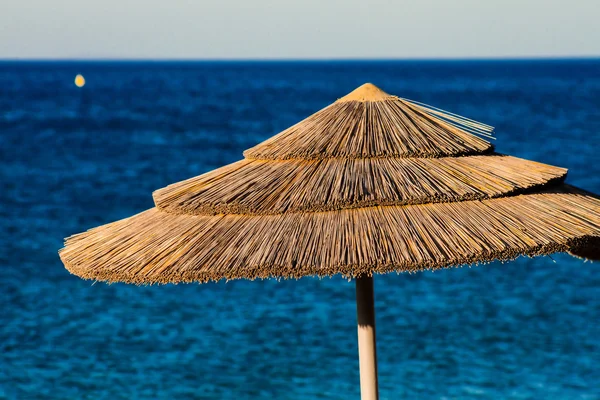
(159, 247)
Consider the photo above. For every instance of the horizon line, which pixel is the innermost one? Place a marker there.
(309, 59)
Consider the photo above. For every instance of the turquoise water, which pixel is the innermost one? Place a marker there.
(72, 159)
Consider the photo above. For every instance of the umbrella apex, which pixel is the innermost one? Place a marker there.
(367, 92)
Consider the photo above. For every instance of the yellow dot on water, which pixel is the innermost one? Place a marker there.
(79, 81)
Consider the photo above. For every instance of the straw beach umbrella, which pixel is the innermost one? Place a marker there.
(372, 183)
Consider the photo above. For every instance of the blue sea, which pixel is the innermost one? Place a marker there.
(72, 159)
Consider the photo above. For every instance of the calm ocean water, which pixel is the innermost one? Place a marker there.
(72, 159)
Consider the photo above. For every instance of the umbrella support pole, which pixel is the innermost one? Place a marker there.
(367, 354)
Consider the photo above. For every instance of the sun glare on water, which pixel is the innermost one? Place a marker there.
(79, 81)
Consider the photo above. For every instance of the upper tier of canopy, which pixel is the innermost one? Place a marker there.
(369, 123)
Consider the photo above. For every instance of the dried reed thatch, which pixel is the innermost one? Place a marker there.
(371, 183)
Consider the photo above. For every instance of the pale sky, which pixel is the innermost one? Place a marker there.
(200, 29)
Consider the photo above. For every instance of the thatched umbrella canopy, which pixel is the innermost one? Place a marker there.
(372, 183)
